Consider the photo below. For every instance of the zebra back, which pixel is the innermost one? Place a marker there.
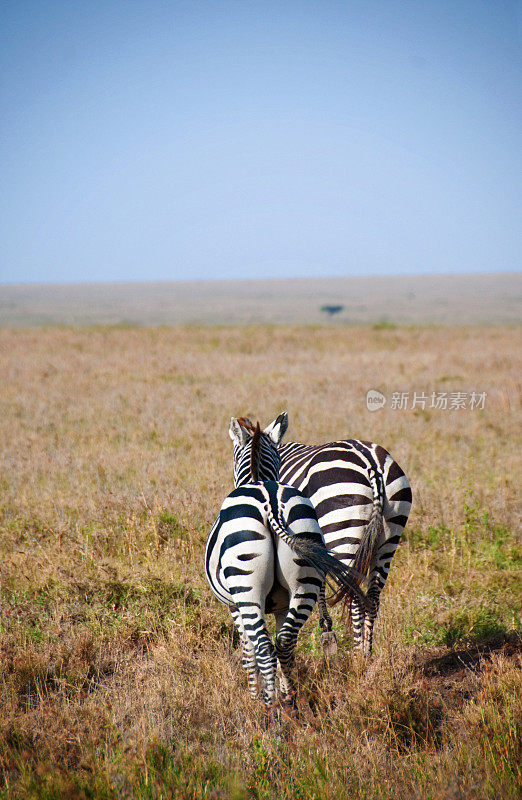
(343, 478)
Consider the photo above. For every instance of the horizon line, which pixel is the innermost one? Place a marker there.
(246, 279)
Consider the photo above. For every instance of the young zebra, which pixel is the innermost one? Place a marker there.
(265, 555)
(354, 486)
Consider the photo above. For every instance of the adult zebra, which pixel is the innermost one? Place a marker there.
(266, 554)
(362, 499)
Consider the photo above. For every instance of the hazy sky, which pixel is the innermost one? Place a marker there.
(175, 140)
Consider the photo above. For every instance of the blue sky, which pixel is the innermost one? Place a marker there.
(177, 140)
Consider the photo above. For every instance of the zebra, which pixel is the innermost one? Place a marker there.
(362, 499)
(265, 554)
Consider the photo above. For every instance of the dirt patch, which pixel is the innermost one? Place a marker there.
(460, 662)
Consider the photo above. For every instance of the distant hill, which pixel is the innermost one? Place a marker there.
(405, 299)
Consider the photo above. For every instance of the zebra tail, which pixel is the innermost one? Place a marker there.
(319, 558)
(370, 541)
(372, 537)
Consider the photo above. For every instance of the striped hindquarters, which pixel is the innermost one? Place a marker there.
(267, 535)
(346, 480)
(239, 549)
(241, 552)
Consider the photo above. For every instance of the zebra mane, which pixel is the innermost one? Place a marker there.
(255, 454)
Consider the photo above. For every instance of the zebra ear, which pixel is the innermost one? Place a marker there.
(237, 433)
(277, 429)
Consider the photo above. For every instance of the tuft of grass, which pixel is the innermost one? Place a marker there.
(168, 527)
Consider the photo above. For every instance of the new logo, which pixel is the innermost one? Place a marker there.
(375, 400)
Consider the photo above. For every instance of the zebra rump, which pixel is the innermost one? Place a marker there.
(317, 556)
(362, 498)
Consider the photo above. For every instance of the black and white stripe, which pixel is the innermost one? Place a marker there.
(362, 499)
(266, 554)
(260, 462)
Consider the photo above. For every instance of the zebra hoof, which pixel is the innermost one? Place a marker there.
(329, 643)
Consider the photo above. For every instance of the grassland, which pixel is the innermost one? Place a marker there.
(472, 299)
(119, 672)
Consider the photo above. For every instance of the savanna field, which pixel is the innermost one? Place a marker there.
(119, 670)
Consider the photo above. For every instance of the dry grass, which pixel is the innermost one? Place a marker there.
(119, 676)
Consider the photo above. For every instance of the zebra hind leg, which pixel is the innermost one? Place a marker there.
(248, 656)
(358, 624)
(285, 651)
(258, 656)
(328, 637)
(265, 656)
(288, 626)
(363, 621)
(374, 592)
(285, 648)
(249, 664)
